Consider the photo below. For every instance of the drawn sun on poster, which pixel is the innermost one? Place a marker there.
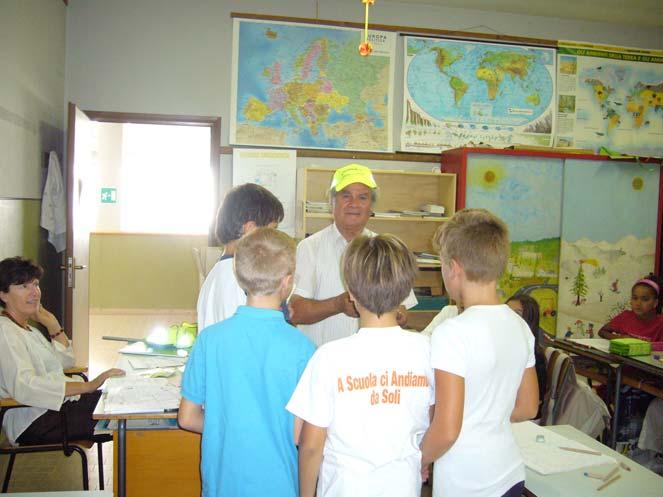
(487, 177)
(638, 183)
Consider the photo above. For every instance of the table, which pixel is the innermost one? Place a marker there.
(68, 493)
(615, 363)
(160, 462)
(639, 482)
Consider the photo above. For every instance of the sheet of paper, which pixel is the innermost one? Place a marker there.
(274, 169)
(131, 394)
(155, 362)
(596, 343)
(546, 457)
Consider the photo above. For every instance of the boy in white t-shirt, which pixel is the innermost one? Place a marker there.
(484, 367)
(244, 208)
(365, 399)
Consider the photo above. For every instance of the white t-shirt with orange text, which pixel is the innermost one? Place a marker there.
(372, 392)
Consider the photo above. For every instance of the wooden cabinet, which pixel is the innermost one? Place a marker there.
(397, 191)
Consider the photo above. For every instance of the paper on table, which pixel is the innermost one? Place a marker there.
(135, 394)
(596, 343)
(153, 362)
(547, 457)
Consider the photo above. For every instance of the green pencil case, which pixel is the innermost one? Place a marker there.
(630, 347)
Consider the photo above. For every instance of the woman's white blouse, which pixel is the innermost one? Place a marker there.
(31, 372)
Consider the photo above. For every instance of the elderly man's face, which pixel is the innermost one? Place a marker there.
(352, 206)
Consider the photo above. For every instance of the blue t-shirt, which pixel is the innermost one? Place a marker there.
(243, 371)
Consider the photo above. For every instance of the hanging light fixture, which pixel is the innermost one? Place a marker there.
(365, 48)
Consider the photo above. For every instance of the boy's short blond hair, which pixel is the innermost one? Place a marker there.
(478, 241)
(379, 272)
(262, 259)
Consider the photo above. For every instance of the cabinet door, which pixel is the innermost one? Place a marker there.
(609, 225)
(525, 192)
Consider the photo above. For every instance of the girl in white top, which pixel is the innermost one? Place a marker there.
(31, 367)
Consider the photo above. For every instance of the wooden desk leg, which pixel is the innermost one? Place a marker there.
(615, 414)
(121, 457)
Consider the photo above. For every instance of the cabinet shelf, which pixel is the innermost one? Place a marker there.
(400, 219)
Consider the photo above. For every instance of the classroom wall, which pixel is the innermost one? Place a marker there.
(169, 56)
(32, 80)
(32, 57)
(143, 271)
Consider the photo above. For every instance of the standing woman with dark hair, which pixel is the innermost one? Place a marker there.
(528, 309)
(31, 366)
(644, 319)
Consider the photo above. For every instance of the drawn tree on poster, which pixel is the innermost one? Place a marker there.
(579, 288)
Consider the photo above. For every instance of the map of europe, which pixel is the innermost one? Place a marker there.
(478, 89)
(306, 86)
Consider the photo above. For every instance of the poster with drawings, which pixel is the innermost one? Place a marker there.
(273, 169)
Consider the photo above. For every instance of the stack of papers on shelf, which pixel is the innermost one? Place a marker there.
(131, 394)
(386, 214)
(554, 453)
(318, 207)
(433, 209)
(426, 258)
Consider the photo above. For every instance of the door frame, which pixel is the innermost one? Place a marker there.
(214, 123)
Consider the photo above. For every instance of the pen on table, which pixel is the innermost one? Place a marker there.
(626, 467)
(609, 482)
(611, 474)
(582, 451)
(593, 475)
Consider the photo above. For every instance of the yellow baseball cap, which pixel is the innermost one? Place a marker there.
(352, 173)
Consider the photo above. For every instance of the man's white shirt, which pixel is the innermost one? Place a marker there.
(318, 277)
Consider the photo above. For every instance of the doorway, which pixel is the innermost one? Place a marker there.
(148, 194)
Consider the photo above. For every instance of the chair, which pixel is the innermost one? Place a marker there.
(568, 401)
(68, 447)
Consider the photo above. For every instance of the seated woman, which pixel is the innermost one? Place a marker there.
(31, 366)
(644, 319)
(528, 309)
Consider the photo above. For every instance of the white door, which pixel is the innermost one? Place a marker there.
(79, 156)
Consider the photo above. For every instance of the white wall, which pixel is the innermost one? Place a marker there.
(173, 56)
(32, 60)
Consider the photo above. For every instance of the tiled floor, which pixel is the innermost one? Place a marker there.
(53, 471)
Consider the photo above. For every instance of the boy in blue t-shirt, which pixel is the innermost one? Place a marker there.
(240, 375)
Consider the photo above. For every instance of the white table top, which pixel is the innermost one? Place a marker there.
(639, 482)
(69, 493)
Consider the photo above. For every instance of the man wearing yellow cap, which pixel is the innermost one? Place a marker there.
(320, 305)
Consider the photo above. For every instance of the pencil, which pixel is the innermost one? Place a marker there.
(582, 451)
(624, 466)
(609, 482)
(593, 475)
(611, 473)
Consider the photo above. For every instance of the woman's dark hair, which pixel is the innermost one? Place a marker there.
(530, 311)
(657, 281)
(16, 271)
(244, 203)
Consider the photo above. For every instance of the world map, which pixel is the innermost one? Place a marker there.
(619, 98)
(459, 91)
(306, 86)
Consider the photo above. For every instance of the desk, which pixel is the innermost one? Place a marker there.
(638, 482)
(164, 463)
(646, 364)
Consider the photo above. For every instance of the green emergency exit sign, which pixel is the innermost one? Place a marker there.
(109, 195)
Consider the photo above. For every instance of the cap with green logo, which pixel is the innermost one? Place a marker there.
(352, 173)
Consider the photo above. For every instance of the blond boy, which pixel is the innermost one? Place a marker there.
(240, 375)
(365, 398)
(484, 367)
